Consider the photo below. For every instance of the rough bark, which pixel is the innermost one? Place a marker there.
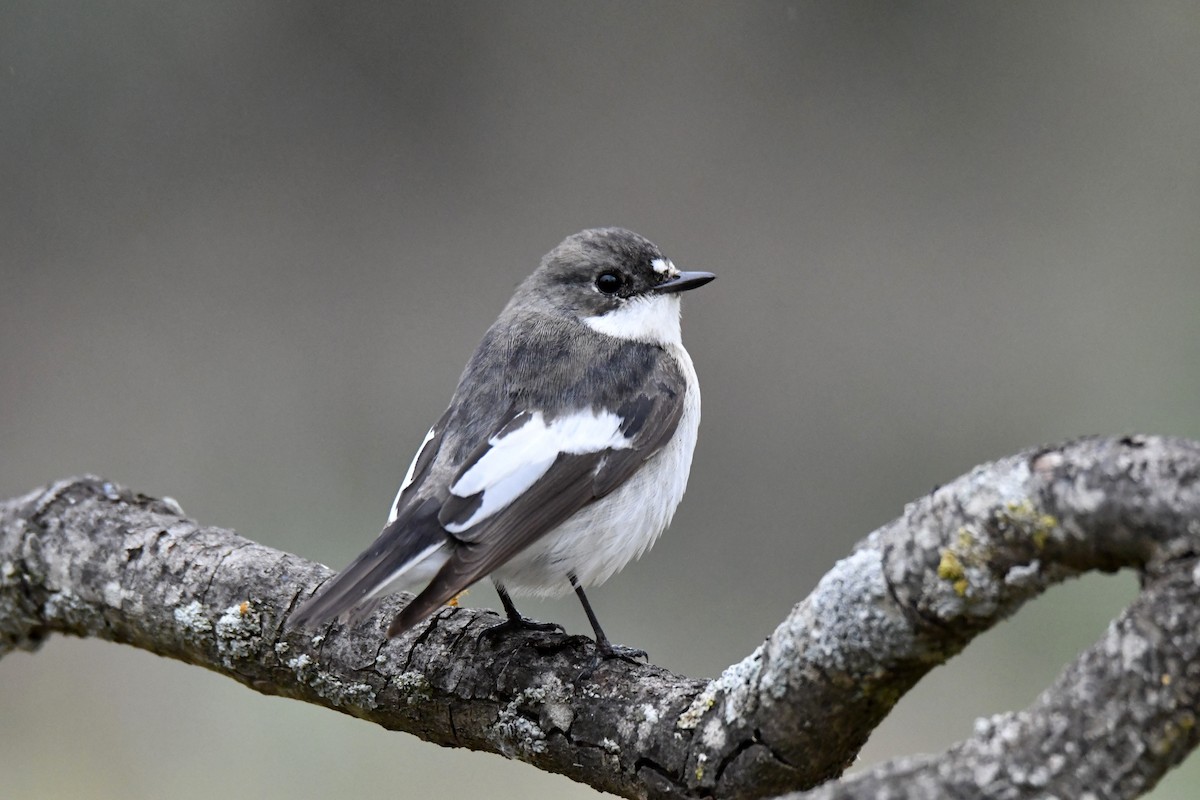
(87, 558)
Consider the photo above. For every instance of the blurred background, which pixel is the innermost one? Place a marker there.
(246, 249)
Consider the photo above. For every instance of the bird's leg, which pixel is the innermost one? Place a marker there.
(607, 649)
(515, 621)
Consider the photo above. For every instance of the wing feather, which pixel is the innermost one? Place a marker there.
(410, 536)
(502, 478)
(589, 457)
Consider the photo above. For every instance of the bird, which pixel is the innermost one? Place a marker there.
(563, 454)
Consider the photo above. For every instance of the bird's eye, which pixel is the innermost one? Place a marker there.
(608, 282)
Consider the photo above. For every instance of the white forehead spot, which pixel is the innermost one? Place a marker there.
(663, 266)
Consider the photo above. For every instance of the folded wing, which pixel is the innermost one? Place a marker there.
(535, 472)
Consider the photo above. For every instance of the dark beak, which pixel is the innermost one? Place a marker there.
(684, 281)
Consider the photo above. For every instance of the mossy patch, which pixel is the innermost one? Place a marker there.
(950, 568)
(1020, 515)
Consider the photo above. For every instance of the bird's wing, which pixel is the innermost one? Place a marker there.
(411, 535)
(418, 470)
(535, 471)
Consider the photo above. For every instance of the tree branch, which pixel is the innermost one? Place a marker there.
(87, 558)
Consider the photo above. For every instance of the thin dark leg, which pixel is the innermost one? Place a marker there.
(515, 621)
(509, 608)
(607, 649)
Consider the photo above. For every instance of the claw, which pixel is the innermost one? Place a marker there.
(518, 624)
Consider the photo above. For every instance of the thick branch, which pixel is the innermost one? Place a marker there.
(87, 558)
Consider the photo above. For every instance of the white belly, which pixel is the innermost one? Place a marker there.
(600, 539)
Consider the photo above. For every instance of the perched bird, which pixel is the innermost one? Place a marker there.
(565, 449)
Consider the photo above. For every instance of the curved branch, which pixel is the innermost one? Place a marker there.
(1114, 722)
(84, 557)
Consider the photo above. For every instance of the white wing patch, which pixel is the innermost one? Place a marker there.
(408, 476)
(516, 461)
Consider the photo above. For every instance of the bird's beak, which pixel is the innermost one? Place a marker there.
(684, 281)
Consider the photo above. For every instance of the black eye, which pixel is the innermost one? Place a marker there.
(608, 282)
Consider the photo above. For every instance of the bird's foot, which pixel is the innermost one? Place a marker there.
(519, 624)
(608, 650)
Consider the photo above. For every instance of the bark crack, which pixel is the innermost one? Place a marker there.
(84, 557)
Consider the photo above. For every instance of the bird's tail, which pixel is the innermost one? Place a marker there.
(408, 553)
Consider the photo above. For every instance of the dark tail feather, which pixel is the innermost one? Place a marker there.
(397, 546)
(439, 591)
(462, 569)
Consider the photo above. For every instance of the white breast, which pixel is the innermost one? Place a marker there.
(600, 539)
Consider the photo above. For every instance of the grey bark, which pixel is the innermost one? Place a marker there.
(87, 558)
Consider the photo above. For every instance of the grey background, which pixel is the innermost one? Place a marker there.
(246, 249)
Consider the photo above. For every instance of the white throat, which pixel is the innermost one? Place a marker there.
(648, 318)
